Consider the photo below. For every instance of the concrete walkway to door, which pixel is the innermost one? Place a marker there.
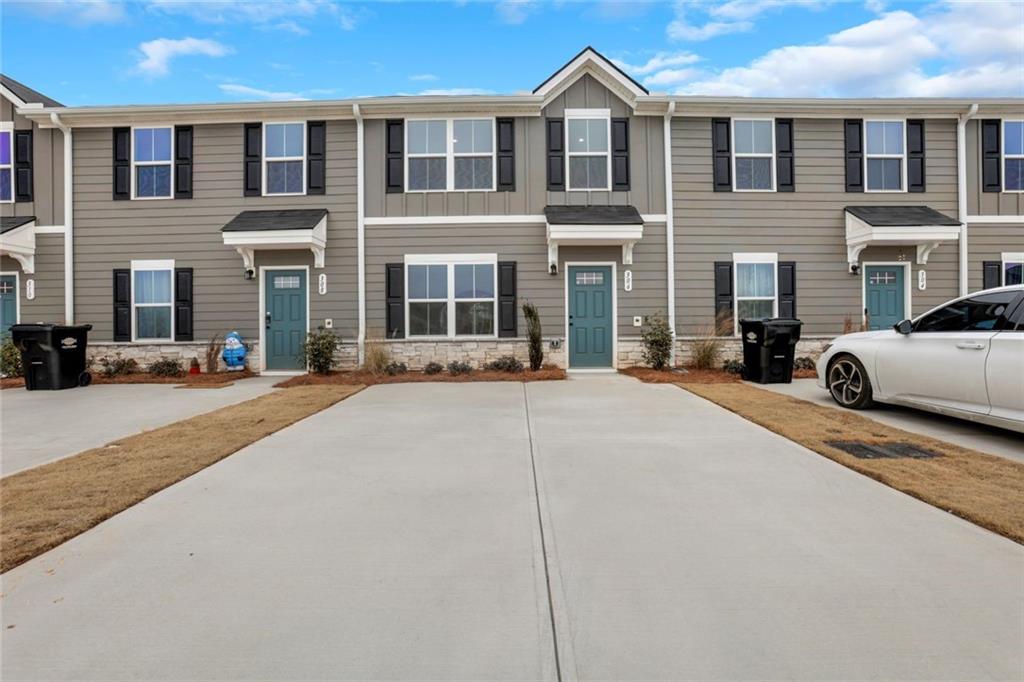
(400, 535)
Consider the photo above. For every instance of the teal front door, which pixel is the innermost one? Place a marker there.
(8, 305)
(884, 295)
(590, 316)
(284, 318)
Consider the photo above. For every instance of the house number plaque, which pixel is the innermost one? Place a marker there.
(30, 289)
(321, 284)
(627, 282)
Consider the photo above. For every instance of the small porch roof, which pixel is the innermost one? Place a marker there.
(18, 240)
(920, 226)
(251, 231)
(593, 226)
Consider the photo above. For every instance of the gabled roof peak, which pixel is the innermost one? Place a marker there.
(589, 60)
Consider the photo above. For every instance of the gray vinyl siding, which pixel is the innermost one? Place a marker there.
(110, 234)
(48, 304)
(806, 226)
(647, 176)
(988, 242)
(47, 168)
(527, 245)
(986, 203)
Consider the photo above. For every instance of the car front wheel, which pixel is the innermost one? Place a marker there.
(848, 383)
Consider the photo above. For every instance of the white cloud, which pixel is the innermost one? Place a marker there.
(669, 77)
(277, 14)
(256, 93)
(423, 77)
(456, 92)
(734, 16)
(661, 60)
(73, 11)
(514, 11)
(158, 53)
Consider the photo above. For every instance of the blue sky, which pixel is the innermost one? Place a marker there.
(151, 51)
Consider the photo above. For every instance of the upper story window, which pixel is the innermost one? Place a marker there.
(1013, 156)
(152, 151)
(754, 155)
(6, 165)
(885, 156)
(451, 295)
(450, 155)
(587, 134)
(152, 300)
(284, 162)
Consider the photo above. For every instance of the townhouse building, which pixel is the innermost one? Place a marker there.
(425, 222)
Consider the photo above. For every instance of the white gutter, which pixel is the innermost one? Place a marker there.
(670, 239)
(961, 190)
(360, 236)
(69, 241)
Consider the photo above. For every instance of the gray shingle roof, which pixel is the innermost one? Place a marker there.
(27, 94)
(12, 223)
(895, 216)
(292, 219)
(593, 215)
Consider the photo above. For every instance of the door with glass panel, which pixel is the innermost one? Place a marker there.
(284, 318)
(8, 304)
(884, 303)
(590, 316)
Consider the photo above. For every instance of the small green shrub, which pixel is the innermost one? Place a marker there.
(706, 349)
(432, 368)
(732, 367)
(118, 366)
(317, 351)
(395, 368)
(804, 362)
(10, 360)
(166, 367)
(376, 357)
(506, 363)
(533, 336)
(657, 340)
(456, 367)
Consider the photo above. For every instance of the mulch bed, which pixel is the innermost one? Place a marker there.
(546, 373)
(208, 380)
(681, 376)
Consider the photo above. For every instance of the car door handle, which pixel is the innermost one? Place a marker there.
(970, 345)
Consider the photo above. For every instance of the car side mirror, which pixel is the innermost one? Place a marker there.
(904, 327)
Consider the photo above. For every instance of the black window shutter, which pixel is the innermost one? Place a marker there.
(787, 289)
(506, 154)
(991, 180)
(620, 154)
(316, 157)
(853, 134)
(394, 157)
(182, 162)
(723, 297)
(253, 151)
(183, 304)
(991, 274)
(556, 154)
(23, 165)
(394, 293)
(122, 304)
(721, 152)
(915, 155)
(785, 171)
(507, 313)
(122, 163)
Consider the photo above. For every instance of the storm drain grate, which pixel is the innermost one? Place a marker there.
(882, 450)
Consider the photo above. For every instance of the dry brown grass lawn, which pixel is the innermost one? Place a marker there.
(691, 376)
(42, 507)
(981, 488)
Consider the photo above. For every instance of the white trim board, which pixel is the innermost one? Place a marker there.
(615, 313)
(263, 308)
(519, 219)
(1006, 219)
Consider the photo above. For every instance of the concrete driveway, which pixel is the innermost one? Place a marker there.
(41, 426)
(597, 528)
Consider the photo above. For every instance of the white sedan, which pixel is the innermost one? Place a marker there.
(964, 358)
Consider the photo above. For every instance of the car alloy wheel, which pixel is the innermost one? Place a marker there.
(845, 382)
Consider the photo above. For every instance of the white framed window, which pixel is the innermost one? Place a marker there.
(152, 300)
(451, 295)
(284, 158)
(450, 154)
(1013, 156)
(755, 286)
(588, 155)
(885, 156)
(1013, 268)
(152, 155)
(6, 162)
(753, 159)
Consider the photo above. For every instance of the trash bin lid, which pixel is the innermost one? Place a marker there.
(33, 327)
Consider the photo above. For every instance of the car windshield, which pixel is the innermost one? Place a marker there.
(978, 313)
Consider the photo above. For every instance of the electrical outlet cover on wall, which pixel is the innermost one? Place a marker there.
(328, 323)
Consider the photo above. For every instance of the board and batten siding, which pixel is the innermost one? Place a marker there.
(47, 203)
(988, 242)
(806, 226)
(48, 304)
(110, 234)
(986, 203)
(646, 159)
(527, 245)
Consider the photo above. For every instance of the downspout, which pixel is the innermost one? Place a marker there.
(961, 189)
(670, 239)
(360, 236)
(69, 242)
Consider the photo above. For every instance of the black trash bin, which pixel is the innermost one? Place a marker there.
(768, 349)
(52, 355)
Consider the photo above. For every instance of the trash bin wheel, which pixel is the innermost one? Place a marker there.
(84, 379)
